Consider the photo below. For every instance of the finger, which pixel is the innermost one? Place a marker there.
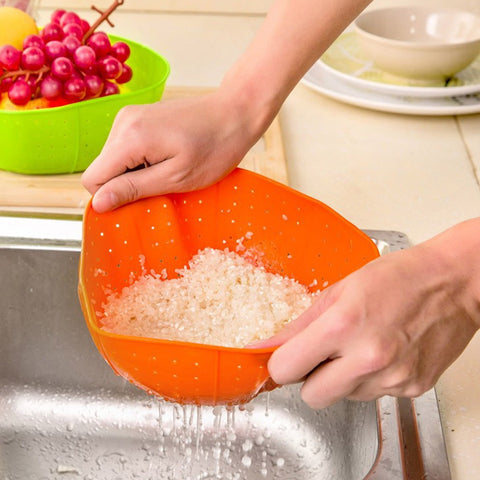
(133, 185)
(330, 382)
(116, 158)
(303, 352)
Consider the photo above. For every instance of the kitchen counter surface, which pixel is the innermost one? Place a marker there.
(417, 175)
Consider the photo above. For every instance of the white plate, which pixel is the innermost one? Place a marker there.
(321, 80)
(345, 59)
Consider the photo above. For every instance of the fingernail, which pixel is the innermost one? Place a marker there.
(104, 201)
(259, 344)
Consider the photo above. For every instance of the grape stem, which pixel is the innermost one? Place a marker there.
(27, 73)
(104, 14)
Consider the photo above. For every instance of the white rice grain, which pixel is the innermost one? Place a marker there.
(220, 298)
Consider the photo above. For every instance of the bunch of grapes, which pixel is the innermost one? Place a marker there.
(66, 60)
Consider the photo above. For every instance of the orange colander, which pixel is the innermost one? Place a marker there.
(298, 237)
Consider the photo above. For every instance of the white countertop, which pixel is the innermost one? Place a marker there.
(382, 171)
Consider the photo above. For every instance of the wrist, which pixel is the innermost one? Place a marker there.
(251, 100)
(455, 255)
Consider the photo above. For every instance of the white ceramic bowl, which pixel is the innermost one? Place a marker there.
(419, 42)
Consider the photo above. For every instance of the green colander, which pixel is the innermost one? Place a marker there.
(67, 139)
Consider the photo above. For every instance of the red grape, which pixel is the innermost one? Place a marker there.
(74, 89)
(110, 88)
(57, 15)
(30, 79)
(51, 88)
(71, 43)
(109, 67)
(10, 57)
(33, 58)
(100, 42)
(62, 68)
(85, 25)
(121, 51)
(94, 85)
(126, 74)
(55, 49)
(52, 31)
(5, 84)
(73, 29)
(70, 17)
(84, 57)
(33, 41)
(20, 92)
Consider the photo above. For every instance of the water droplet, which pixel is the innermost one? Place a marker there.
(247, 445)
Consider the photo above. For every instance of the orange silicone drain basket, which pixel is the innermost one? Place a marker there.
(298, 237)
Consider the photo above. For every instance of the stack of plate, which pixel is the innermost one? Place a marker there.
(346, 74)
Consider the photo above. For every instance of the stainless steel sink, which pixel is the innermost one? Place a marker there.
(65, 415)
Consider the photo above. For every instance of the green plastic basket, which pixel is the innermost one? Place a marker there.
(67, 139)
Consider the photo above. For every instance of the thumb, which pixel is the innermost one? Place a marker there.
(115, 193)
(134, 184)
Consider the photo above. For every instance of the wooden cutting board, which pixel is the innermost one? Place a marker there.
(65, 194)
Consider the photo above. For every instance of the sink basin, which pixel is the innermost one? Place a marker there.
(65, 415)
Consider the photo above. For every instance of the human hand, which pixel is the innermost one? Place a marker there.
(391, 327)
(186, 145)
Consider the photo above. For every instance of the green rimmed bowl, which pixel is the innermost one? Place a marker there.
(67, 139)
